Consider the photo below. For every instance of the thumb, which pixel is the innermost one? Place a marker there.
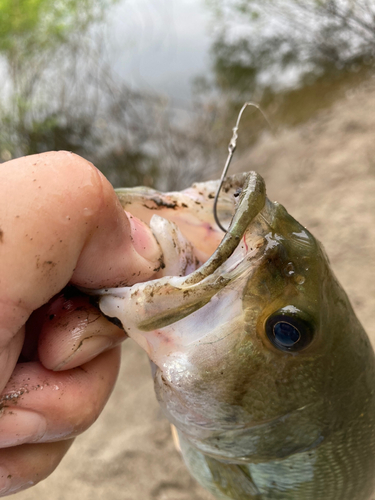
(61, 222)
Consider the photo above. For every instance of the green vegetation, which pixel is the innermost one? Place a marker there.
(29, 27)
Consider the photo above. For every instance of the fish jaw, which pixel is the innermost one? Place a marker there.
(199, 306)
(154, 305)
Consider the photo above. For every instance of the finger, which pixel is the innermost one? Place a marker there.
(26, 465)
(42, 406)
(67, 332)
(73, 332)
(67, 222)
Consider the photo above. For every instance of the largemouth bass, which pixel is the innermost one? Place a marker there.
(259, 360)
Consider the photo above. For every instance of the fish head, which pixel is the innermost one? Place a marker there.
(252, 358)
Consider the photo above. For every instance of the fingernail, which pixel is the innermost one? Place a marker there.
(144, 241)
(86, 351)
(18, 426)
(5, 481)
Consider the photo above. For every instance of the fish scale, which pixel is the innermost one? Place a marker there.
(336, 470)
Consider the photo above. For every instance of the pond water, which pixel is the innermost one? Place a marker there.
(160, 45)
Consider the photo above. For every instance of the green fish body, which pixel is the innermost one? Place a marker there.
(260, 361)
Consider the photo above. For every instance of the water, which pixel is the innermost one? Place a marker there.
(150, 91)
(160, 45)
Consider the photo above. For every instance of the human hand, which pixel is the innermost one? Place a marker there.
(60, 223)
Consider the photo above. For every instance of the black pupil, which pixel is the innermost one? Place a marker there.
(286, 334)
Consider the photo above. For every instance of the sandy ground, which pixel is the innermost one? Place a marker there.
(324, 173)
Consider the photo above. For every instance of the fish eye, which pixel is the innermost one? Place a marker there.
(289, 330)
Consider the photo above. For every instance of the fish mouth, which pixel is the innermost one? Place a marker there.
(161, 302)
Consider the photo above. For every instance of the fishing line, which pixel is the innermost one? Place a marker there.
(231, 149)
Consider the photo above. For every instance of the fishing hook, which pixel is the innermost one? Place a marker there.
(231, 149)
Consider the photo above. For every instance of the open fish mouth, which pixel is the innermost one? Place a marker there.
(186, 284)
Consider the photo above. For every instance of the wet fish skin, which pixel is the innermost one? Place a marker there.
(257, 421)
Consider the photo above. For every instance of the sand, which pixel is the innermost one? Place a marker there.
(324, 173)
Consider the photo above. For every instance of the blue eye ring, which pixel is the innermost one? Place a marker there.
(289, 330)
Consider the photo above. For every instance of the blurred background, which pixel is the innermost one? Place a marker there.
(149, 90)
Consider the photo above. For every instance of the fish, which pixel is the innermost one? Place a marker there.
(259, 360)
